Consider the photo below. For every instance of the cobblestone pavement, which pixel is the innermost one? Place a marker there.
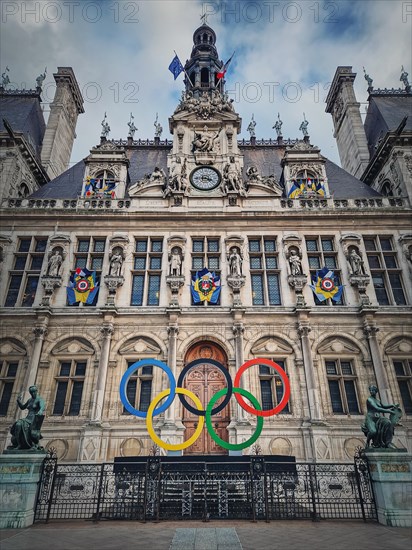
(223, 535)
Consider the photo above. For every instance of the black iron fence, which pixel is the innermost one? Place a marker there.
(161, 488)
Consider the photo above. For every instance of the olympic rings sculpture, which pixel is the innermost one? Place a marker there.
(205, 415)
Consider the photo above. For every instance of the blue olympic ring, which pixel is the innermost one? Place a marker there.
(125, 379)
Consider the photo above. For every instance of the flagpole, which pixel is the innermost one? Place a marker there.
(184, 70)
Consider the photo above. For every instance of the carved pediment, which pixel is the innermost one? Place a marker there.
(58, 238)
(73, 346)
(333, 346)
(399, 345)
(12, 347)
(270, 345)
(141, 346)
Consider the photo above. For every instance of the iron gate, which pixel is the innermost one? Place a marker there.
(257, 488)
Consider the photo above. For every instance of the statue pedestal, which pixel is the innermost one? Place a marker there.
(19, 480)
(390, 471)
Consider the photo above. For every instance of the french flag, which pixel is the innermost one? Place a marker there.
(222, 72)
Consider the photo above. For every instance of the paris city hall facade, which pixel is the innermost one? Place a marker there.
(203, 247)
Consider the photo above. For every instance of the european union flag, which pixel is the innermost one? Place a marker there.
(175, 67)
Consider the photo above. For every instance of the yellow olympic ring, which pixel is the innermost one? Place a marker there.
(149, 424)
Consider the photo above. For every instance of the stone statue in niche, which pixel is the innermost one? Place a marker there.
(116, 262)
(54, 263)
(175, 262)
(355, 262)
(232, 178)
(235, 262)
(25, 432)
(295, 262)
(177, 178)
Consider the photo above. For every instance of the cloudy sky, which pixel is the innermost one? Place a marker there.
(286, 56)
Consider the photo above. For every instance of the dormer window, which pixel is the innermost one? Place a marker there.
(101, 186)
(306, 184)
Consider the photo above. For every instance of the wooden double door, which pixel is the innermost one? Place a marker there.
(205, 380)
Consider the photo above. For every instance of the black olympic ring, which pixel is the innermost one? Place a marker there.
(225, 401)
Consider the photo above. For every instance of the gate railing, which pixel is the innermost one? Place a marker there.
(155, 488)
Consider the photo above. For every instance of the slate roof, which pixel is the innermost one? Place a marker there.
(385, 113)
(23, 113)
(267, 159)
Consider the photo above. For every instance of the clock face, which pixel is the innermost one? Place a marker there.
(205, 178)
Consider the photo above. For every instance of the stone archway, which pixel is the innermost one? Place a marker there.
(205, 380)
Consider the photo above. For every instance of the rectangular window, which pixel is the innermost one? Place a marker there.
(69, 388)
(8, 373)
(264, 271)
(90, 255)
(386, 276)
(146, 275)
(342, 386)
(205, 254)
(403, 371)
(24, 277)
(139, 388)
(322, 253)
(271, 387)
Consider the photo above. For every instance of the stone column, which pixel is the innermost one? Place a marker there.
(381, 378)
(313, 392)
(40, 332)
(98, 393)
(238, 331)
(172, 331)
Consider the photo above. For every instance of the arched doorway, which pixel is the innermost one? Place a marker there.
(205, 380)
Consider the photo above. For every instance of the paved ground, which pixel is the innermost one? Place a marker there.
(223, 535)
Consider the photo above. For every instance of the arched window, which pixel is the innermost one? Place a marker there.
(387, 189)
(11, 375)
(204, 77)
(309, 183)
(23, 190)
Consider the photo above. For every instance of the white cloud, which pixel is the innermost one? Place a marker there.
(124, 55)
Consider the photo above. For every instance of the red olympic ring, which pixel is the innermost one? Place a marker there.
(282, 374)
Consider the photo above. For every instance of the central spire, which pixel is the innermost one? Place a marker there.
(204, 64)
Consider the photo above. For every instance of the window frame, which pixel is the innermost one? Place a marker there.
(6, 380)
(321, 253)
(138, 376)
(341, 378)
(70, 379)
(205, 256)
(148, 274)
(263, 272)
(382, 270)
(406, 378)
(272, 376)
(26, 271)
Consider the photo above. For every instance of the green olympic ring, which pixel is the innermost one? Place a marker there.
(216, 438)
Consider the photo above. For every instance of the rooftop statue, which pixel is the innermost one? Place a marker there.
(5, 80)
(368, 79)
(251, 127)
(105, 127)
(41, 78)
(158, 128)
(132, 127)
(404, 77)
(304, 126)
(278, 126)
(379, 429)
(25, 432)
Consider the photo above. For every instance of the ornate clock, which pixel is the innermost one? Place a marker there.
(205, 178)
